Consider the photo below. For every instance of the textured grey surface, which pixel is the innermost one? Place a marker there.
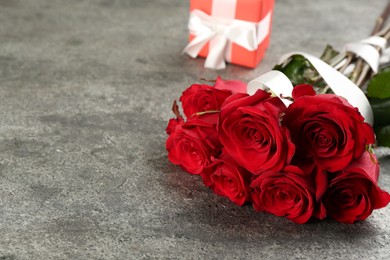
(85, 93)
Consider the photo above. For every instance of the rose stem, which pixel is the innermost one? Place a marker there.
(381, 20)
(362, 70)
(349, 57)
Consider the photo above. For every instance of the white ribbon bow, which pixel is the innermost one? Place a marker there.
(221, 31)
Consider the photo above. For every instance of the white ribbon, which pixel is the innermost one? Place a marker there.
(275, 81)
(223, 31)
(366, 50)
(385, 56)
(278, 83)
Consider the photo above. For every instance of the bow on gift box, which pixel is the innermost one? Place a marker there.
(220, 32)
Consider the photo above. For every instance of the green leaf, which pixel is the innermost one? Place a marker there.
(294, 69)
(381, 109)
(299, 71)
(379, 85)
(383, 136)
(328, 54)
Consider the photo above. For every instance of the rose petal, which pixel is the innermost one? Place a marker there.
(235, 86)
(302, 90)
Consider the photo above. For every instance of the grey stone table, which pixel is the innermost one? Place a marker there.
(86, 89)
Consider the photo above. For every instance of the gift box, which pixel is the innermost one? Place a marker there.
(236, 31)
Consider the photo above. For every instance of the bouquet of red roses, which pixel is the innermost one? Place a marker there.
(312, 159)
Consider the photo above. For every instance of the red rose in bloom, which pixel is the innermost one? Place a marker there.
(251, 133)
(193, 143)
(287, 193)
(353, 193)
(328, 129)
(200, 98)
(227, 179)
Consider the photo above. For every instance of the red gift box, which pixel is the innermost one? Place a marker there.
(255, 12)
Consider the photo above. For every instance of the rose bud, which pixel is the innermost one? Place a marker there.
(226, 178)
(200, 98)
(354, 193)
(251, 133)
(286, 194)
(327, 129)
(192, 144)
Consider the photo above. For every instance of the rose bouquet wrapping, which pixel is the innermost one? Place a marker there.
(309, 160)
(296, 142)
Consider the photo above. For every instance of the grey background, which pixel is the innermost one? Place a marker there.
(86, 89)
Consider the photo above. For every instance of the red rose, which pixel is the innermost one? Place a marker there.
(353, 193)
(200, 98)
(328, 129)
(226, 178)
(250, 131)
(192, 144)
(287, 193)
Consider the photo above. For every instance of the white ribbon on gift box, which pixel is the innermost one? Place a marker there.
(221, 32)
